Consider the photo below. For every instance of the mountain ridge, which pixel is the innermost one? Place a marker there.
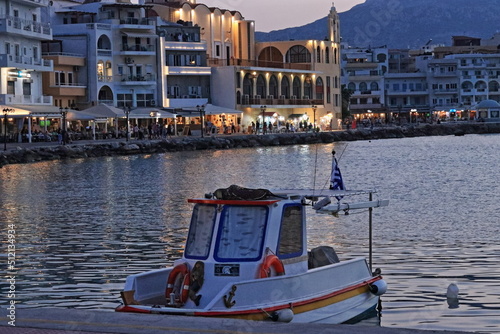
(402, 24)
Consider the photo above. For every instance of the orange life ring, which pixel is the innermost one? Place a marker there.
(271, 261)
(179, 273)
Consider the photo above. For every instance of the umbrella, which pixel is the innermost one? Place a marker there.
(103, 110)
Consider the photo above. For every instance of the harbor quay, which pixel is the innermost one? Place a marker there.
(72, 321)
(44, 151)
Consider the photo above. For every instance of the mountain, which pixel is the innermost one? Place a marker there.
(403, 23)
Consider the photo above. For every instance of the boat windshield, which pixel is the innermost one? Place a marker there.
(241, 233)
(200, 231)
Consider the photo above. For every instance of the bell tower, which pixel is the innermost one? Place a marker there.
(334, 25)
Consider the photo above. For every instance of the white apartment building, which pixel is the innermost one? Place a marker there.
(21, 65)
(363, 73)
(119, 43)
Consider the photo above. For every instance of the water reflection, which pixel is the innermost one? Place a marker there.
(84, 225)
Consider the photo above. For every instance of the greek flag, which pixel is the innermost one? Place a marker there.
(336, 182)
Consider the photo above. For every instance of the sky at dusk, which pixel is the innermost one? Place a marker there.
(279, 14)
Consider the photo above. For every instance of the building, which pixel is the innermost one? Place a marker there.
(22, 31)
(363, 74)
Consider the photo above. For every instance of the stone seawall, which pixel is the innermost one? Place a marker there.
(28, 154)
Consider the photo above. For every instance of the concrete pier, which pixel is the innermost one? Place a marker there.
(73, 321)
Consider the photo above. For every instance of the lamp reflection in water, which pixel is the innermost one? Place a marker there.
(5, 112)
(263, 109)
(126, 110)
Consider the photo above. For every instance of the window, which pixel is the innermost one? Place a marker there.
(26, 88)
(291, 236)
(241, 233)
(11, 87)
(144, 100)
(200, 231)
(217, 50)
(123, 100)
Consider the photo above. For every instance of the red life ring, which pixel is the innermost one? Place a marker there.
(180, 273)
(271, 261)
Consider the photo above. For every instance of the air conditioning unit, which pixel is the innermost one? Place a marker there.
(76, 68)
(306, 97)
(257, 97)
(128, 60)
(293, 97)
(270, 97)
(153, 103)
(282, 97)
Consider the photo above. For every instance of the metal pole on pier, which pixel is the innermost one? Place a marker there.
(370, 212)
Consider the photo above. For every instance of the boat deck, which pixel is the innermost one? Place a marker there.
(73, 321)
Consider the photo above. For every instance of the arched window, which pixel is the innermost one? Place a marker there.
(103, 43)
(106, 95)
(480, 86)
(297, 87)
(493, 86)
(273, 86)
(319, 89)
(298, 54)
(336, 82)
(374, 86)
(247, 85)
(261, 86)
(351, 86)
(100, 70)
(467, 85)
(335, 55)
(271, 57)
(285, 87)
(362, 87)
(381, 57)
(318, 54)
(327, 55)
(307, 89)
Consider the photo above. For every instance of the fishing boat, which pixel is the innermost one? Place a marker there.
(246, 256)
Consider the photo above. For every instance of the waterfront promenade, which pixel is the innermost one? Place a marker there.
(45, 151)
(73, 321)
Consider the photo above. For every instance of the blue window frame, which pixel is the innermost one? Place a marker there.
(241, 233)
(290, 242)
(200, 231)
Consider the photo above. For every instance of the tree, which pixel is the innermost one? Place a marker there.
(346, 99)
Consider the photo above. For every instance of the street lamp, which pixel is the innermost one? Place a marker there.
(201, 110)
(5, 112)
(64, 112)
(126, 110)
(263, 109)
(314, 117)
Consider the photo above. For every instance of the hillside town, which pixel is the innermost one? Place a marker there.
(73, 69)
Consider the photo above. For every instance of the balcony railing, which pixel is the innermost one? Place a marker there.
(258, 63)
(127, 78)
(138, 47)
(23, 26)
(279, 101)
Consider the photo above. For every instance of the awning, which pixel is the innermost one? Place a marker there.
(211, 109)
(139, 35)
(145, 112)
(103, 110)
(296, 116)
(37, 109)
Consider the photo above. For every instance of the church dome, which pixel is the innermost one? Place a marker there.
(488, 104)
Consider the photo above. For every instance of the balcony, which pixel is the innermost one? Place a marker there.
(137, 50)
(213, 62)
(187, 70)
(37, 64)
(141, 80)
(73, 89)
(42, 100)
(185, 46)
(136, 23)
(33, 3)
(25, 28)
(276, 102)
